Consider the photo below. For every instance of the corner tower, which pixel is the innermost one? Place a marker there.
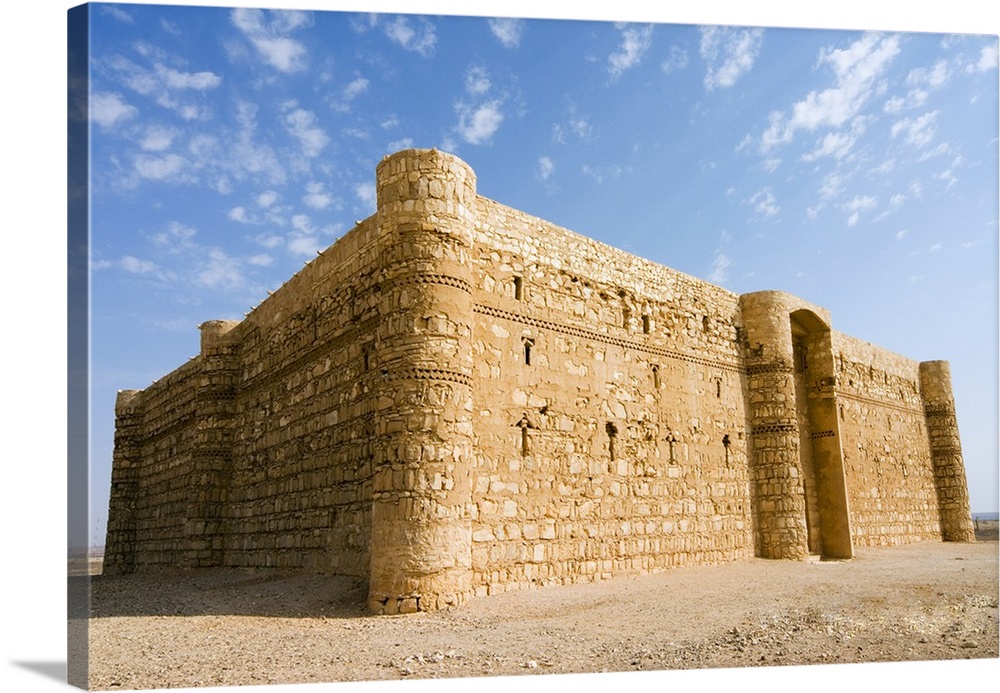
(946, 452)
(421, 528)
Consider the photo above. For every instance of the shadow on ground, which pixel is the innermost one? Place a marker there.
(226, 592)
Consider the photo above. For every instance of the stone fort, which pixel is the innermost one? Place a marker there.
(457, 399)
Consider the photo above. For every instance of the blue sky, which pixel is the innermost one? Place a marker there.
(855, 169)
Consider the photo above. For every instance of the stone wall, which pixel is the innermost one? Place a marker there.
(457, 399)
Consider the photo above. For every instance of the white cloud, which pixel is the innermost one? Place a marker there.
(545, 167)
(861, 202)
(136, 266)
(508, 31)
(833, 185)
(158, 138)
(602, 173)
(729, 54)
(261, 260)
(165, 85)
(420, 40)
(918, 131)
(478, 125)
(166, 168)
(764, 203)
(477, 81)
(305, 245)
(405, 143)
(220, 271)
(988, 59)
(269, 242)
(266, 198)
(316, 197)
(270, 38)
(720, 268)
(834, 144)
(118, 13)
(355, 88)
(239, 214)
(199, 81)
(635, 43)
(897, 199)
(894, 104)
(932, 77)
(366, 194)
(901, 234)
(677, 60)
(857, 70)
(108, 109)
(176, 238)
(302, 124)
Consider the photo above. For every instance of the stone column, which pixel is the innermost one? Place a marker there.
(212, 448)
(120, 547)
(421, 528)
(775, 467)
(946, 452)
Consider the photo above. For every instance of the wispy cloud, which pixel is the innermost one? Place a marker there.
(545, 168)
(988, 59)
(271, 38)
(507, 31)
(109, 109)
(303, 125)
(481, 117)
(764, 203)
(420, 39)
(720, 268)
(158, 138)
(857, 70)
(478, 124)
(366, 194)
(677, 60)
(167, 87)
(477, 80)
(635, 42)
(317, 197)
(856, 206)
(728, 54)
(168, 168)
(220, 271)
(602, 173)
(918, 132)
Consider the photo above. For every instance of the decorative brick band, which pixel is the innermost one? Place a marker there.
(775, 367)
(430, 278)
(822, 434)
(429, 374)
(939, 410)
(761, 429)
(604, 338)
(944, 450)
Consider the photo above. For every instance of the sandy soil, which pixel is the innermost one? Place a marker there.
(929, 601)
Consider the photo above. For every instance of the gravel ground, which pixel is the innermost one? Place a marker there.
(928, 601)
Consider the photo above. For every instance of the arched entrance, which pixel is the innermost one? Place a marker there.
(820, 455)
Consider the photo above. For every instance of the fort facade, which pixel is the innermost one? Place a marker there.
(457, 399)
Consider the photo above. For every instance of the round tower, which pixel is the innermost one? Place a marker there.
(421, 528)
(775, 466)
(946, 452)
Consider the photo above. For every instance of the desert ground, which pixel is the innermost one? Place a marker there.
(926, 601)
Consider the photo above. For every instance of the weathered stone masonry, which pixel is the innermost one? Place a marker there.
(457, 399)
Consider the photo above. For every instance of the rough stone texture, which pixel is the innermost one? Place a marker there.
(458, 399)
